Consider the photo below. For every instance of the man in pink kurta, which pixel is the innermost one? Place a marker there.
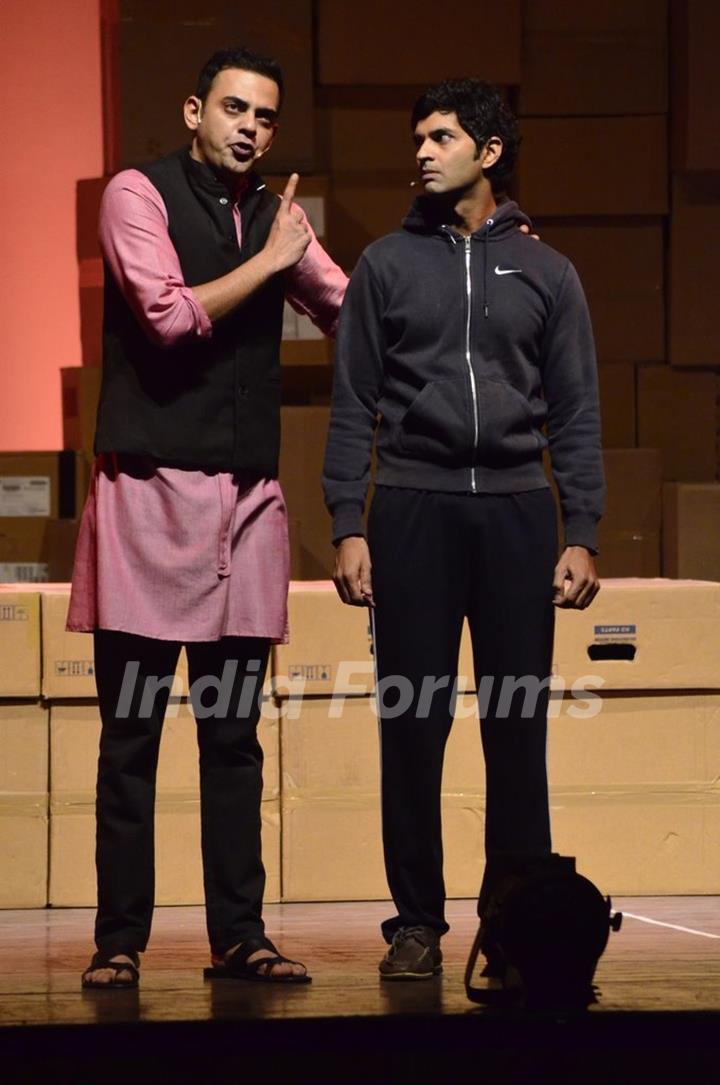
(184, 534)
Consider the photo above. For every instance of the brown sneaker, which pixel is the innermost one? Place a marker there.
(414, 955)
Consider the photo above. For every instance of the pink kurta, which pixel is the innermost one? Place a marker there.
(169, 553)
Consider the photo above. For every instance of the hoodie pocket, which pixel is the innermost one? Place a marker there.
(438, 424)
(507, 431)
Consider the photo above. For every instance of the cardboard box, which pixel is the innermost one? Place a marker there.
(695, 28)
(629, 532)
(691, 530)
(368, 136)
(677, 414)
(617, 404)
(88, 196)
(331, 805)
(569, 49)
(330, 746)
(330, 649)
(307, 348)
(643, 635)
(348, 830)
(622, 272)
(80, 397)
(23, 805)
(24, 557)
(304, 432)
(75, 734)
(19, 643)
(92, 307)
(42, 484)
(694, 273)
(74, 742)
(634, 792)
(370, 44)
(168, 44)
(311, 195)
(68, 658)
(637, 823)
(365, 206)
(563, 166)
(35, 550)
(178, 863)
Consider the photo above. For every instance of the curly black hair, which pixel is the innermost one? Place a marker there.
(482, 113)
(238, 57)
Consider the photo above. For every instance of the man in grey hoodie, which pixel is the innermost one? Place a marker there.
(464, 349)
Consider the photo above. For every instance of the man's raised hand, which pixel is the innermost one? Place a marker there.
(289, 234)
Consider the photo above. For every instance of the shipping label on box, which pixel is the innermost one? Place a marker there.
(25, 495)
(19, 572)
(42, 484)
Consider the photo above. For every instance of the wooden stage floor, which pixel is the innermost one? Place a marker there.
(659, 1005)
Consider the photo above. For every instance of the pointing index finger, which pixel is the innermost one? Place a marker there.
(289, 194)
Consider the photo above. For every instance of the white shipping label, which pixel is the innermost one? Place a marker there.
(24, 495)
(24, 572)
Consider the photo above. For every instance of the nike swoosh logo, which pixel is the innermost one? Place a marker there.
(508, 271)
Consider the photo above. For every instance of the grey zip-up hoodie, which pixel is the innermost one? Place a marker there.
(470, 355)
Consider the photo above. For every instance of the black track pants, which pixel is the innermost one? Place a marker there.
(230, 786)
(436, 558)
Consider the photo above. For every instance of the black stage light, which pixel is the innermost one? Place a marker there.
(543, 929)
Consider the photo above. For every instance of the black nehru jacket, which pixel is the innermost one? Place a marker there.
(207, 402)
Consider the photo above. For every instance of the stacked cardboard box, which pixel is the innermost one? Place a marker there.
(629, 532)
(41, 495)
(691, 530)
(69, 678)
(677, 414)
(74, 735)
(563, 166)
(693, 272)
(330, 761)
(352, 51)
(569, 48)
(634, 776)
(23, 755)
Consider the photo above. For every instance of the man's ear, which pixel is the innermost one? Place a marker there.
(192, 112)
(491, 152)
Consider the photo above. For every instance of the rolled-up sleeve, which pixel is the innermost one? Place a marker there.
(137, 249)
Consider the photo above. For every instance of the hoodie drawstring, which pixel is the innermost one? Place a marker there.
(486, 306)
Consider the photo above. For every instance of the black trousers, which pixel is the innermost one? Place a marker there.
(230, 784)
(437, 558)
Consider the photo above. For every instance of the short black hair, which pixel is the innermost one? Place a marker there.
(238, 57)
(482, 113)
